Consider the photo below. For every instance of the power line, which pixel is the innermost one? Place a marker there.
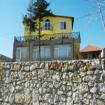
(100, 7)
(101, 13)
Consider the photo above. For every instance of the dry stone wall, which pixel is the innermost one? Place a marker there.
(53, 83)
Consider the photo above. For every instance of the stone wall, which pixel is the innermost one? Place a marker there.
(53, 83)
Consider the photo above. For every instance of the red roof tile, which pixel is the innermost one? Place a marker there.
(90, 48)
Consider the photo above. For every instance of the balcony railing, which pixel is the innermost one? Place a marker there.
(72, 36)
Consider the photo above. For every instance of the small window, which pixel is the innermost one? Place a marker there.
(47, 25)
(63, 25)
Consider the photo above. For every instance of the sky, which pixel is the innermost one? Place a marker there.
(87, 21)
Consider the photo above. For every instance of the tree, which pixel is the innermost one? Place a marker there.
(37, 11)
(99, 6)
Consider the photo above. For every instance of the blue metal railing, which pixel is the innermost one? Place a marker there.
(73, 35)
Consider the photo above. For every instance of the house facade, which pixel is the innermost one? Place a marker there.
(56, 41)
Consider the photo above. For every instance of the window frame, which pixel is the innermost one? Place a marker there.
(58, 51)
(22, 53)
(45, 52)
(35, 53)
(47, 25)
(63, 25)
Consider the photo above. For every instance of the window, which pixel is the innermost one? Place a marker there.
(35, 53)
(47, 25)
(45, 52)
(62, 51)
(63, 25)
(22, 53)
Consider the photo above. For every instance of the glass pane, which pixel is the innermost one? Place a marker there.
(45, 52)
(24, 53)
(62, 51)
(18, 57)
(62, 25)
(56, 52)
(47, 25)
(42, 52)
(35, 53)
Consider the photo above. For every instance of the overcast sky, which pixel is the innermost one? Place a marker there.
(90, 27)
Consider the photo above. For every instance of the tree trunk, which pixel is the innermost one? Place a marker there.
(39, 33)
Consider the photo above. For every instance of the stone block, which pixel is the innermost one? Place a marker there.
(83, 88)
(76, 78)
(100, 102)
(19, 98)
(54, 66)
(93, 90)
(35, 100)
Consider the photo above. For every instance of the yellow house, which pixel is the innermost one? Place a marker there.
(50, 26)
(57, 41)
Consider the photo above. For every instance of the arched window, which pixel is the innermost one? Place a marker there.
(47, 25)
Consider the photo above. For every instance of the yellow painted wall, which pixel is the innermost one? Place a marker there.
(55, 21)
(77, 50)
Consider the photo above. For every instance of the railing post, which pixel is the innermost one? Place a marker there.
(62, 38)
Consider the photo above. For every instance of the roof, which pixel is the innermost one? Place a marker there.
(91, 48)
(51, 14)
(64, 16)
(4, 58)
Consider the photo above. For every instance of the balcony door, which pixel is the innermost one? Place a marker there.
(22, 54)
(62, 51)
(44, 52)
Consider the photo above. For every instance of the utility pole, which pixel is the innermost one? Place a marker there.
(101, 12)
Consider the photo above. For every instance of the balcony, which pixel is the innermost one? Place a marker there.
(64, 36)
(60, 42)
